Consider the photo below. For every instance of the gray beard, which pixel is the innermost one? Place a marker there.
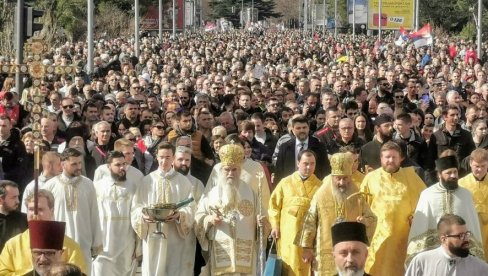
(341, 196)
(350, 273)
(229, 195)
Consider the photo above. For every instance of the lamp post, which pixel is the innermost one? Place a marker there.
(89, 38)
(160, 19)
(478, 46)
(136, 27)
(379, 20)
(174, 19)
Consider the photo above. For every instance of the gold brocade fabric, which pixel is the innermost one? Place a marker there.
(322, 216)
(479, 190)
(288, 206)
(394, 197)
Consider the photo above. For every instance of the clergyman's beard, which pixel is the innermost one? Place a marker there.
(119, 178)
(350, 272)
(183, 170)
(229, 194)
(459, 251)
(450, 184)
(341, 195)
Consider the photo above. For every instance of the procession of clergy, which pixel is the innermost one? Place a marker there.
(388, 222)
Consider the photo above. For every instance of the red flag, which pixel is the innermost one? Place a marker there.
(425, 31)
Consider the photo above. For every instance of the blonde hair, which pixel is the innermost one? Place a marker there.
(121, 143)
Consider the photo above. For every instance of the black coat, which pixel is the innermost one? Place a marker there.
(12, 154)
(285, 163)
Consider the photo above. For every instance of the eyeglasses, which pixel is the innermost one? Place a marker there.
(461, 236)
(136, 87)
(385, 84)
(68, 106)
(399, 97)
(159, 126)
(47, 254)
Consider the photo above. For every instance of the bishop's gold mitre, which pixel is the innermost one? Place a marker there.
(231, 155)
(341, 163)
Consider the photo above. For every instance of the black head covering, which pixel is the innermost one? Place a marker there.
(447, 162)
(349, 231)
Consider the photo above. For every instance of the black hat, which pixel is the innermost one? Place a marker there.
(349, 231)
(447, 162)
(383, 118)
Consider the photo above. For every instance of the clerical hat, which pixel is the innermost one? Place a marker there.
(349, 231)
(46, 234)
(341, 164)
(447, 162)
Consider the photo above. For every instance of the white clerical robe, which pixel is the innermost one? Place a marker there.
(132, 173)
(249, 171)
(174, 255)
(232, 245)
(75, 202)
(434, 202)
(438, 262)
(29, 189)
(119, 239)
(197, 188)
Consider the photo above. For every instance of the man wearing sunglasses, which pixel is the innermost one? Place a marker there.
(66, 116)
(444, 197)
(452, 257)
(384, 94)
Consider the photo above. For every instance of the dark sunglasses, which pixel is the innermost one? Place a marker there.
(68, 106)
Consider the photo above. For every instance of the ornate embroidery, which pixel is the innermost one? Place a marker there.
(245, 208)
(70, 192)
(426, 241)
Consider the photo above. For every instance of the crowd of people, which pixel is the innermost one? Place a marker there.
(354, 156)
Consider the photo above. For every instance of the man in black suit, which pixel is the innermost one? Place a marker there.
(286, 162)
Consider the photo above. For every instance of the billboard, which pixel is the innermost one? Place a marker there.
(394, 14)
(150, 20)
(361, 8)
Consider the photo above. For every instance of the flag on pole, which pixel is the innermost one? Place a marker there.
(422, 37)
(404, 37)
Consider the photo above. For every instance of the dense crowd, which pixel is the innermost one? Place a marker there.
(286, 97)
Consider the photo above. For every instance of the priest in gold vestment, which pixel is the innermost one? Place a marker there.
(288, 205)
(227, 218)
(477, 183)
(337, 200)
(394, 195)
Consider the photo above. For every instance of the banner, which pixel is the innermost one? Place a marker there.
(394, 14)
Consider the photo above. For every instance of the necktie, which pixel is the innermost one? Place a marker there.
(301, 146)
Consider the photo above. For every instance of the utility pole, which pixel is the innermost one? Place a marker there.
(90, 42)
